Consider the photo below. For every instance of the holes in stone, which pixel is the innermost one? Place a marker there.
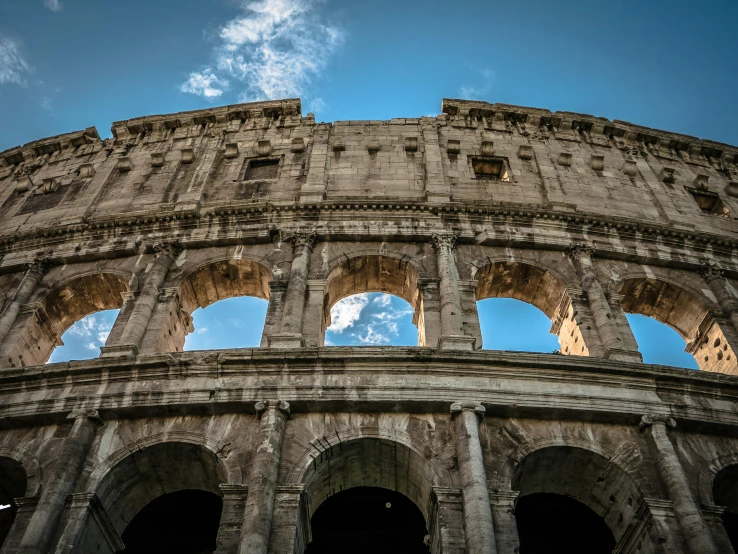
(490, 169)
(261, 169)
(366, 520)
(717, 342)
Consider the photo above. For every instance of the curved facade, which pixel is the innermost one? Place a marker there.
(584, 218)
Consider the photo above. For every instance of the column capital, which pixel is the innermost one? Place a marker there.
(40, 266)
(580, 251)
(468, 406)
(263, 405)
(711, 271)
(171, 248)
(446, 239)
(85, 413)
(299, 238)
(648, 420)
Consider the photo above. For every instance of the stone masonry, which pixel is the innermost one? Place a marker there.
(585, 218)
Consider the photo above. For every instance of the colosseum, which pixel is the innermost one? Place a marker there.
(298, 447)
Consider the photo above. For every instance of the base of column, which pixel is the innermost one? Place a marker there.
(286, 340)
(457, 342)
(120, 351)
(623, 355)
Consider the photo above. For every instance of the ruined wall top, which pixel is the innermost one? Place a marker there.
(475, 158)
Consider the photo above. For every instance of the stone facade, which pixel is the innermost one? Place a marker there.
(584, 218)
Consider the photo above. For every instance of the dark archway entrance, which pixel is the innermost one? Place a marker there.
(725, 493)
(185, 522)
(366, 520)
(557, 524)
(12, 486)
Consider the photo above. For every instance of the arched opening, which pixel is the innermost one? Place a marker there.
(231, 323)
(371, 319)
(137, 497)
(222, 305)
(542, 290)
(557, 524)
(365, 520)
(185, 522)
(510, 324)
(659, 343)
(373, 469)
(687, 315)
(36, 333)
(574, 500)
(12, 486)
(83, 340)
(725, 493)
(354, 277)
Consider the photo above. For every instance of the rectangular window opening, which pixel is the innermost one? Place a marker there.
(490, 169)
(710, 203)
(262, 169)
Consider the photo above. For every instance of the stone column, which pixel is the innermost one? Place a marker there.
(34, 274)
(691, 522)
(287, 535)
(130, 340)
(294, 304)
(599, 306)
(262, 484)
(84, 511)
(42, 527)
(273, 320)
(427, 316)
(478, 524)
(231, 518)
(446, 525)
(452, 328)
(26, 506)
(468, 294)
(715, 278)
(506, 526)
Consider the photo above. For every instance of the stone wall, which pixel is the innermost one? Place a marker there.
(584, 218)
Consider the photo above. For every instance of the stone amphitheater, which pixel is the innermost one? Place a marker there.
(295, 447)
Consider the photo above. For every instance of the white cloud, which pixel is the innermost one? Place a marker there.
(4, 506)
(478, 90)
(54, 5)
(13, 67)
(346, 312)
(383, 300)
(204, 84)
(201, 330)
(274, 49)
(93, 330)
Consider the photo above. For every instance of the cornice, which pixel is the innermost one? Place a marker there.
(122, 229)
(231, 381)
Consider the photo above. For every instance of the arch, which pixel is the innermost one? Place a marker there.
(374, 273)
(688, 314)
(13, 484)
(545, 289)
(38, 331)
(708, 473)
(586, 476)
(203, 285)
(232, 469)
(130, 482)
(30, 466)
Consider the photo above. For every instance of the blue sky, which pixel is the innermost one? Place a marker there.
(70, 64)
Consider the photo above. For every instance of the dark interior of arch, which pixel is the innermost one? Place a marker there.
(522, 282)
(185, 522)
(366, 520)
(725, 493)
(12, 485)
(557, 524)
